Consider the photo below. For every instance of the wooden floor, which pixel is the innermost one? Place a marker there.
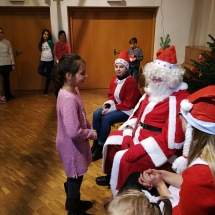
(31, 173)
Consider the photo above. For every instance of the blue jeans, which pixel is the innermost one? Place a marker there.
(134, 70)
(102, 123)
(48, 74)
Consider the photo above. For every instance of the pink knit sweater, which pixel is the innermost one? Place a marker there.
(73, 133)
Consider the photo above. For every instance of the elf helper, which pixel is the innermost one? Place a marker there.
(153, 133)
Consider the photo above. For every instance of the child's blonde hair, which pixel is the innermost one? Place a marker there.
(134, 202)
(203, 146)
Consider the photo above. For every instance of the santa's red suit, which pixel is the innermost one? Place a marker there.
(197, 193)
(157, 138)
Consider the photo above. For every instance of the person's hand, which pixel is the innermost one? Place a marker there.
(13, 67)
(105, 111)
(144, 182)
(94, 134)
(153, 177)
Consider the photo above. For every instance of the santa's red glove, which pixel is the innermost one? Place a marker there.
(127, 141)
(135, 153)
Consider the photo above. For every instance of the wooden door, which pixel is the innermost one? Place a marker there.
(5, 23)
(97, 32)
(26, 25)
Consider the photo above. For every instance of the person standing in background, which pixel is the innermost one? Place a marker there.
(7, 64)
(46, 47)
(62, 47)
(135, 56)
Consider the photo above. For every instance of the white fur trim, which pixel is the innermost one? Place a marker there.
(198, 161)
(179, 165)
(165, 64)
(172, 124)
(186, 105)
(111, 102)
(122, 61)
(111, 140)
(207, 127)
(127, 132)
(154, 151)
(136, 136)
(115, 171)
(112, 108)
(117, 91)
(188, 140)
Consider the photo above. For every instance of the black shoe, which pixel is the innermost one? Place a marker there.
(103, 180)
(97, 154)
(46, 93)
(85, 205)
(12, 97)
(75, 207)
(95, 144)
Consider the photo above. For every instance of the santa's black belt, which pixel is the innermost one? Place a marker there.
(151, 128)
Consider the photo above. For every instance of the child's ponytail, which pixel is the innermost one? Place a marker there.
(58, 79)
(167, 209)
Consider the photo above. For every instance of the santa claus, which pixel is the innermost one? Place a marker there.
(153, 133)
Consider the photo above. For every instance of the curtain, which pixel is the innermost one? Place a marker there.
(202, 22)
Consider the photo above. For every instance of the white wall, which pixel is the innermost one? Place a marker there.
(173, 17)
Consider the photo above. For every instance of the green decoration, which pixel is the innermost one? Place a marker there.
(211, 45)
(165, 43)
(201, 75)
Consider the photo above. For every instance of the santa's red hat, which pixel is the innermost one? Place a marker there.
(166, 58)
(123, 59)
(199, 112)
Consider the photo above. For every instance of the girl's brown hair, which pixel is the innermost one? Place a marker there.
(68, 63)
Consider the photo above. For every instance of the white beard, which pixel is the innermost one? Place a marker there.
(157, 92)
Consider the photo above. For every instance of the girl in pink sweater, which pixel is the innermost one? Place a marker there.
(73, 129)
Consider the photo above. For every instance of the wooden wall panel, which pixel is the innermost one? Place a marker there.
(96, 32)
(24, 27)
